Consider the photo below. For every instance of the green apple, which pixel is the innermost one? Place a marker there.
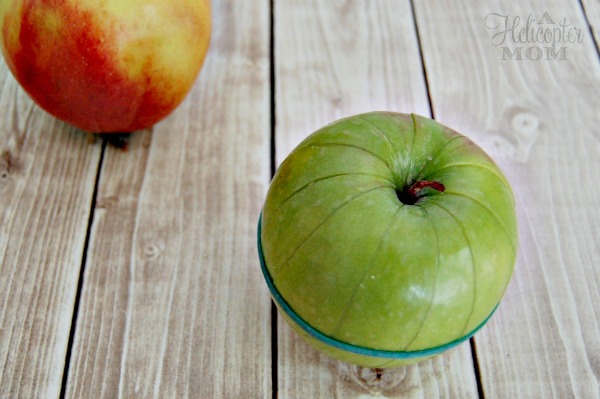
(387, 238)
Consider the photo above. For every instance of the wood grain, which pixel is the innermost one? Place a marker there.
(47, 175)
(173, 301)
(335, 59)
(540, 120)
(340, 58)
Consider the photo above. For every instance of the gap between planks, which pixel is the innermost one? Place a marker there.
(65, 377)
(273, 120)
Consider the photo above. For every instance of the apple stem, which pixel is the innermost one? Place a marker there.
(410, 195)
(413, 191)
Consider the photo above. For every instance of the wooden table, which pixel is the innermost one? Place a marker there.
(134, 273)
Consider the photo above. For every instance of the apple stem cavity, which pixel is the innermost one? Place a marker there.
(410, 194)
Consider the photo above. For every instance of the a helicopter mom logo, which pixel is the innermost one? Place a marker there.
(532, 39)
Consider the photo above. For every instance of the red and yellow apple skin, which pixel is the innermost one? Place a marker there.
(387, 238)
(109, 66)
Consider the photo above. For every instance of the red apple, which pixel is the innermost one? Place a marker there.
(106, 66)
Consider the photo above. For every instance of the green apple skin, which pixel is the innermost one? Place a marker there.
(363, 268)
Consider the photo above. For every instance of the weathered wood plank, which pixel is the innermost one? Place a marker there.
(47, 175)
(173, 302)
(341, 58)
(540, 120)
(335, 59)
